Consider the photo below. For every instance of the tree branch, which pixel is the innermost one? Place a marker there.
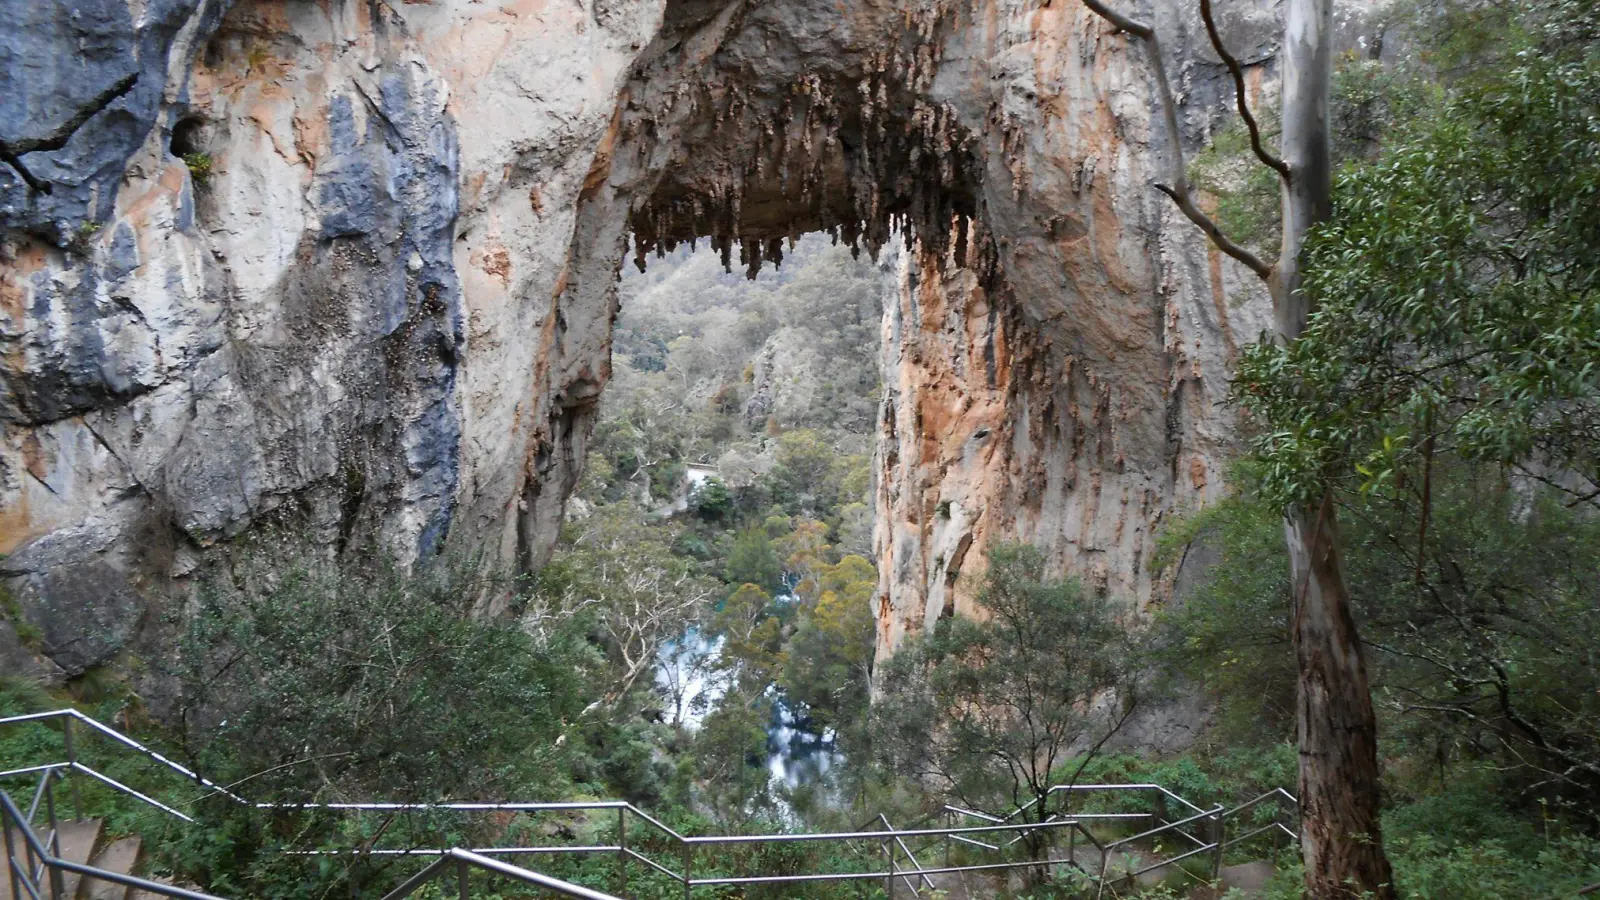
(1179, 190)
(1237, 71)
(1181, 196)
(11, 153)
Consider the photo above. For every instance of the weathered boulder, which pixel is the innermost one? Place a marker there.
(81, 605)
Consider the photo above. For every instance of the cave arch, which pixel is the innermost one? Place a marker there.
(1061, 343)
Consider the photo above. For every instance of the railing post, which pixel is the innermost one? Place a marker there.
(622, 849)
(72, 759)
(688, 870)
(1221, 837)
(11, 855)
(888, 880)
(58, 890)
(462, 880)
(951, 823)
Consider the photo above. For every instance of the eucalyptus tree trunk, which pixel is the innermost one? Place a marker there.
(1340, 839)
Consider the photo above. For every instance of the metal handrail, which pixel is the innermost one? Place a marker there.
(1274, 793)
(49, 859)
(465, 860)
(72, 715)
(916, 866)
(1105, 854)
(889, 836)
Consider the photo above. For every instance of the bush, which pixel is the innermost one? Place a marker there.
(985, 709)
(304, 680)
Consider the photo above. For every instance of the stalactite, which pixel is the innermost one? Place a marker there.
(864, 157)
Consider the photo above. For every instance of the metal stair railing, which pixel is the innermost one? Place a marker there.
(39, 870)
(35, 869)
(464, 861)
(1285, 802)
(888, 851)
(1106, 850)
(1002, 830)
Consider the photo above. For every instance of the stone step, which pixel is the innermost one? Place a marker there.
(120, 856)
(1245, 879)
(146, 895)
(77, 842)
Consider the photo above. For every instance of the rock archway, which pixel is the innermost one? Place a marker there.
(1059, 350)
(378, 292)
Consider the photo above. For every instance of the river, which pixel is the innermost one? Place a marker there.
(686, 675)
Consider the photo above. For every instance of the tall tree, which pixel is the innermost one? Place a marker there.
(1458, 321)
(987, 710)
(1340, 837)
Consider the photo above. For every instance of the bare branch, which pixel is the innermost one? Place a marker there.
(1237, 71)
(1186, 205)
(1179, 190)
(1132, 26)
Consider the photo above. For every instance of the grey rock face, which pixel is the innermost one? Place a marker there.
(83, 607)
(17, 659)
(66, 57)
(333, 313)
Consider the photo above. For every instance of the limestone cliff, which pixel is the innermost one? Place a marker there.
(351, 264)
(345, 311)
(1074, 402)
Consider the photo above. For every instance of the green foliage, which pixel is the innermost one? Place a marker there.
(1231, 632)
(829, 657)
(28, 634)
(728, 759)
(711, 501)
(1371, 101)
(986, 708)
(1447, 391)
(1457, 287)
(752, 629)
(1466, 841)
(199, 166)
(1246, 192)
(753, 560)
(377, 670)
(83, 238)
(1481, 633)
(309, 679)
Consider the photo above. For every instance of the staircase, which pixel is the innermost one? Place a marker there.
(86, 843)
(80, 863)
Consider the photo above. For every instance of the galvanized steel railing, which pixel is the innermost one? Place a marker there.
(1208, 835)
(37, 867)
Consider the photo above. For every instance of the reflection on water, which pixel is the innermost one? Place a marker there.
(687, 676)
(796, 754)
(688, 679)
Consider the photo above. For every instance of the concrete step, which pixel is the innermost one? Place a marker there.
(77, 843)
(120, 856)
(1243, 880)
